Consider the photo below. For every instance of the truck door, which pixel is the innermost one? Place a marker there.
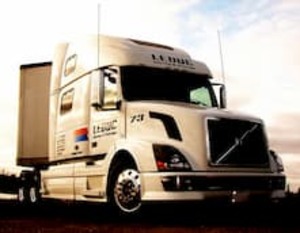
(105, 120)
(104, 129)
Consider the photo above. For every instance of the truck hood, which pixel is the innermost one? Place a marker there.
(185, 108)
(187, 128)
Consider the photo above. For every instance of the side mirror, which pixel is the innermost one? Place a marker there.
(109, 90)
(223, 100)
(278, 161)
(220, 90)
(104, 91)
(97, 89)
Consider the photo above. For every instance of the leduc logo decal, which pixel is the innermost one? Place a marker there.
(171, 60)
(105, 128)
(81, 135)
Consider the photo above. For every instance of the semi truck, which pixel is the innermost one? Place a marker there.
(126, 122)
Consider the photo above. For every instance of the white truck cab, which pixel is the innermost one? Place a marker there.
(129, 121)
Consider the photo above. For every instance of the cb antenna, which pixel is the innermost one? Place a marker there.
(98, 32)
(221, 56)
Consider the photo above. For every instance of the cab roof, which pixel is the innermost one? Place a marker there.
(92, 52)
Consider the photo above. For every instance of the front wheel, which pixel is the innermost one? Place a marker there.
(126, 190)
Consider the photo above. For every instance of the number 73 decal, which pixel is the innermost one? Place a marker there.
(137, 118)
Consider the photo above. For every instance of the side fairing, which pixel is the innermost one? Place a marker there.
(72, 120)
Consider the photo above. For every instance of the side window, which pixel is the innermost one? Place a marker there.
(66, 103)
(201, 96)
(70, 64)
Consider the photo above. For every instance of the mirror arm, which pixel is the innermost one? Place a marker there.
(97, 106)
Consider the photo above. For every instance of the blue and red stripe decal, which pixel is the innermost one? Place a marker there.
(81, 135)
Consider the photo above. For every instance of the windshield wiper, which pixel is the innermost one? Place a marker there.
(237, 143)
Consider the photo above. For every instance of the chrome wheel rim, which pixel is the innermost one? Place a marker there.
(127, 191)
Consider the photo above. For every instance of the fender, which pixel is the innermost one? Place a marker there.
(141, 152)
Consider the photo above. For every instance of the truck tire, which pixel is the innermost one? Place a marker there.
(125, 189)
(33, 195)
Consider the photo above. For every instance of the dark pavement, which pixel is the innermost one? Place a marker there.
(58, 217)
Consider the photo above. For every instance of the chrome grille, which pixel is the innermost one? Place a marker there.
(237, 143)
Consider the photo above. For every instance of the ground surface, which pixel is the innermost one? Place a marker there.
(58, 217)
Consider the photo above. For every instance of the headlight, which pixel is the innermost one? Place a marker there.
(170, 159)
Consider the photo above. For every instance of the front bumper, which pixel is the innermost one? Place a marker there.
(183, 186)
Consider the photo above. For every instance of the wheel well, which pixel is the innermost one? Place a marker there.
(121, 158)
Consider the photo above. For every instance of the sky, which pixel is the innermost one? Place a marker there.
(259, 40)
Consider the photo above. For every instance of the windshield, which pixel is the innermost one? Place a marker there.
(144, 83)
